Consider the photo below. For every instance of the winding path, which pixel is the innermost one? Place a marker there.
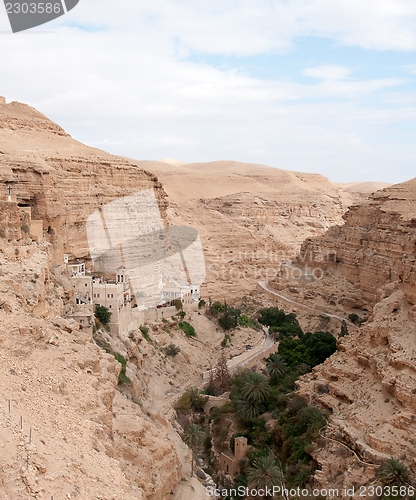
(265, 286)
(345, 446)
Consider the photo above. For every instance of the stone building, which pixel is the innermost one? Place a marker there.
(91, 291)
(187, 294)
(230, 463)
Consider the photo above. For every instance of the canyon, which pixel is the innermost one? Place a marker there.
(69, 428)
(367, 268)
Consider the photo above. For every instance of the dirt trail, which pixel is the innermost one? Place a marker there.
(265, 286)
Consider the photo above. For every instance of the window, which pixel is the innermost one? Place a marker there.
(109, 306)
(112, 295)
(86, 284)
(81, 321)
(108, 295)
(95, 295)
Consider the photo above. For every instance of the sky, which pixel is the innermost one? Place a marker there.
(324, 86)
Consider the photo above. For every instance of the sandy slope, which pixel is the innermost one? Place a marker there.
(363, 187)
(250, 217)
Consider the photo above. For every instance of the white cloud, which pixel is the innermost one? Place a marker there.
(328, 72)
(130, 88)
(258, 26)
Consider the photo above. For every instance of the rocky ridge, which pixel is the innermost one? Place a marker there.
(62, 180)
(66, 431)
(251, 217)
(369, 384)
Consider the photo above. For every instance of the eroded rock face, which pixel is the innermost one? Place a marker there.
(251, 217)
(375, 246)
(369, 384)
(66, 430)
(62, 180)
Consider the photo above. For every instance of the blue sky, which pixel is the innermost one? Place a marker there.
(308, 85)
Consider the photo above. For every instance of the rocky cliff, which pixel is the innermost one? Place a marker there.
(250, 217)
(65, 429)
(62, 180)
(369, 385)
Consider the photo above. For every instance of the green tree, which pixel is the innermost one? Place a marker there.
(264, 474)
(281, 324)
(247, 409)
(229, 319)
(198, 399)
(201, 303)
(307, 417)
(275, 366)
(255, 387)
(193, 436)
(244, 320)
(216, 308)
(102, 314)
(393, 472)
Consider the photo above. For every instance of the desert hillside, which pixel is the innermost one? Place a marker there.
(72, 427)
(367, 270)
(251, 218)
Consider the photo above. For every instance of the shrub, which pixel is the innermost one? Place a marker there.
(2, 233)
(216, 308)
(227, 321)
(102, 314)
(307, 417)
(122, 377)
(192, 398)
(145, 333)
(172, 350)
(25, 228)
(201, 303)
(184, 403)
(281, 324)
(225, 340)
(244, 320)
(187, 328)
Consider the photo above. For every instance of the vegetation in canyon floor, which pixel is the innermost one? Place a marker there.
(280, 427)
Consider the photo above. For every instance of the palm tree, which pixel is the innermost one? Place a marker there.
(255, 387)
(393, 472)
(264, 474)
(192, 437)
(275, 366)
(249, 408)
